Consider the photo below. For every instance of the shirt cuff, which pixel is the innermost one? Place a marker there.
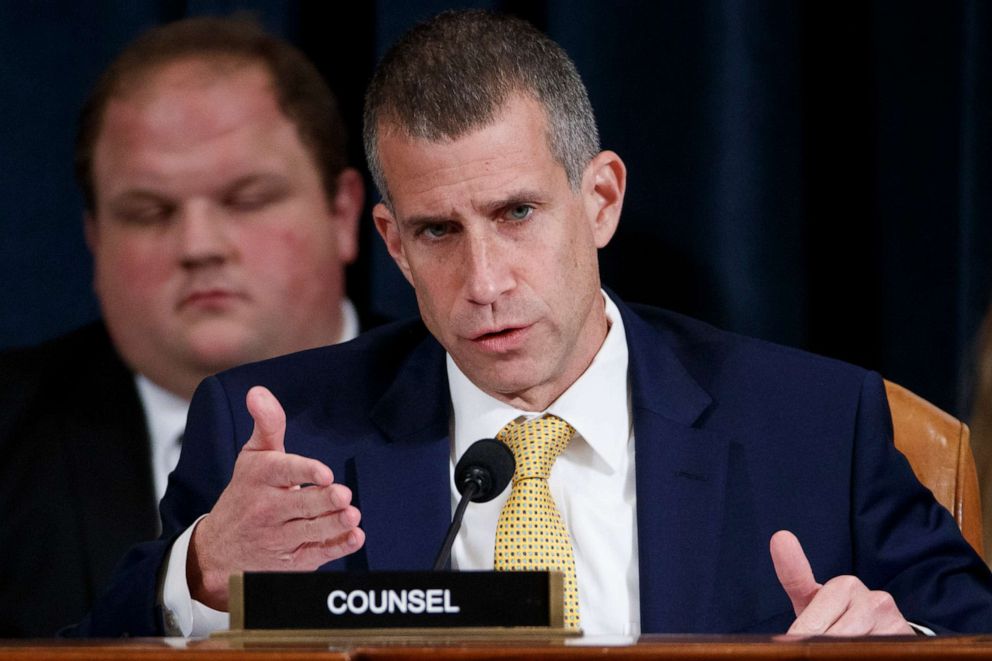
(184, 616)
(921, 630)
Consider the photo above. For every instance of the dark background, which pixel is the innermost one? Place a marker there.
(812, 173)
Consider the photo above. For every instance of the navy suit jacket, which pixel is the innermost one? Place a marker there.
(735, 439)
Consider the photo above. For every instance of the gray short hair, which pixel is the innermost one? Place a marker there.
(452, 74)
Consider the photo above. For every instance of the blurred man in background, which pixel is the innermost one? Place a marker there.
(220, 214)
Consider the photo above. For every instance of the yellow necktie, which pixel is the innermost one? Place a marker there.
(530, 533)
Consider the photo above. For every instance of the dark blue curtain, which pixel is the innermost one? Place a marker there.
(816, 174)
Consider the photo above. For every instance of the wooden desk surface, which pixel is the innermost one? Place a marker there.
(647, 647)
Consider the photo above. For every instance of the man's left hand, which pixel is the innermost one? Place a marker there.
(843, 606)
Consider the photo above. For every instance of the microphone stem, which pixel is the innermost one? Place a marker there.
(456, 522)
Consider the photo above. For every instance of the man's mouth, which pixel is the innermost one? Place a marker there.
(501, 340)
(208, 298)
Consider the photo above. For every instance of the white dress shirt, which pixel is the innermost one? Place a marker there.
(165, 415)
(592, 482)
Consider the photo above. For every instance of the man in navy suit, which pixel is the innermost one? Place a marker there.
(695, 450)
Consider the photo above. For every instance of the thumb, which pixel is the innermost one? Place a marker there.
(270, 420)
(793, 570)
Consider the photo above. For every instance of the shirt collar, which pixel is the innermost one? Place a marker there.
(349, 321)
(596, 405)
(165, 411)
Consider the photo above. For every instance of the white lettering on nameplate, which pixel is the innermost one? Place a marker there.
(377, 602)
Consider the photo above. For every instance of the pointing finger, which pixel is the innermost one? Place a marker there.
(793, 570)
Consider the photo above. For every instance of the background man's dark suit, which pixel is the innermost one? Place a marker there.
(76, 485)
(735, 440)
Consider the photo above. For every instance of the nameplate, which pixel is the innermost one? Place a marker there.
(283, 601)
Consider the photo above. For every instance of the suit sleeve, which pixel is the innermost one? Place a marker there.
(905, 542)
(130, 605)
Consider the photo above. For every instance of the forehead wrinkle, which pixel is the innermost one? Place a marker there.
(484, 188)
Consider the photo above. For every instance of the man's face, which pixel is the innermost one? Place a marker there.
(213, 240)
(502, 251)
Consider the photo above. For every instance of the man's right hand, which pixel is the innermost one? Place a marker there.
(264, 520)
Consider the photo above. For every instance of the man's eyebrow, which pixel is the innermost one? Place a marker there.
(137, 195)
(255, 178)
(145, 194)
(416, 222)
(514, 199)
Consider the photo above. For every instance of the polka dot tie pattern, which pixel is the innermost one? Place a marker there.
(530, 533)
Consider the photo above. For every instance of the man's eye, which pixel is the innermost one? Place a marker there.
(144, 215)
(435, 231)
(519, 212)
(252, 201)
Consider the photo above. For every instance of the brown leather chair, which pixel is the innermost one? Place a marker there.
(936, 445)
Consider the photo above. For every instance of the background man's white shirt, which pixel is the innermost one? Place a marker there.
(165, 414)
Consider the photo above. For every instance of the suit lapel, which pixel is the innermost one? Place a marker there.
(681, 477)
(405, 481)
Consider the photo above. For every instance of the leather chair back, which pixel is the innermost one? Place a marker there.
(936, 445)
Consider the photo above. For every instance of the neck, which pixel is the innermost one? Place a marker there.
(538, 398)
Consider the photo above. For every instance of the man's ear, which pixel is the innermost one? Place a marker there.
(603, 185)
(389, 230)
(349, 198)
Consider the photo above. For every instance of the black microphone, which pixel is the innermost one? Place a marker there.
(480, 475)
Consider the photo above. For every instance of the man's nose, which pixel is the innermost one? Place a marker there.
(202, 235)
(488, 272)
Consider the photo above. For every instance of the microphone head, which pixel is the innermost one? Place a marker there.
(489, 465)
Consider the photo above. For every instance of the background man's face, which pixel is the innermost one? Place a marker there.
(213, 240)
(501, 253)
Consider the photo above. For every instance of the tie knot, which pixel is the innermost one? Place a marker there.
(536, 444)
